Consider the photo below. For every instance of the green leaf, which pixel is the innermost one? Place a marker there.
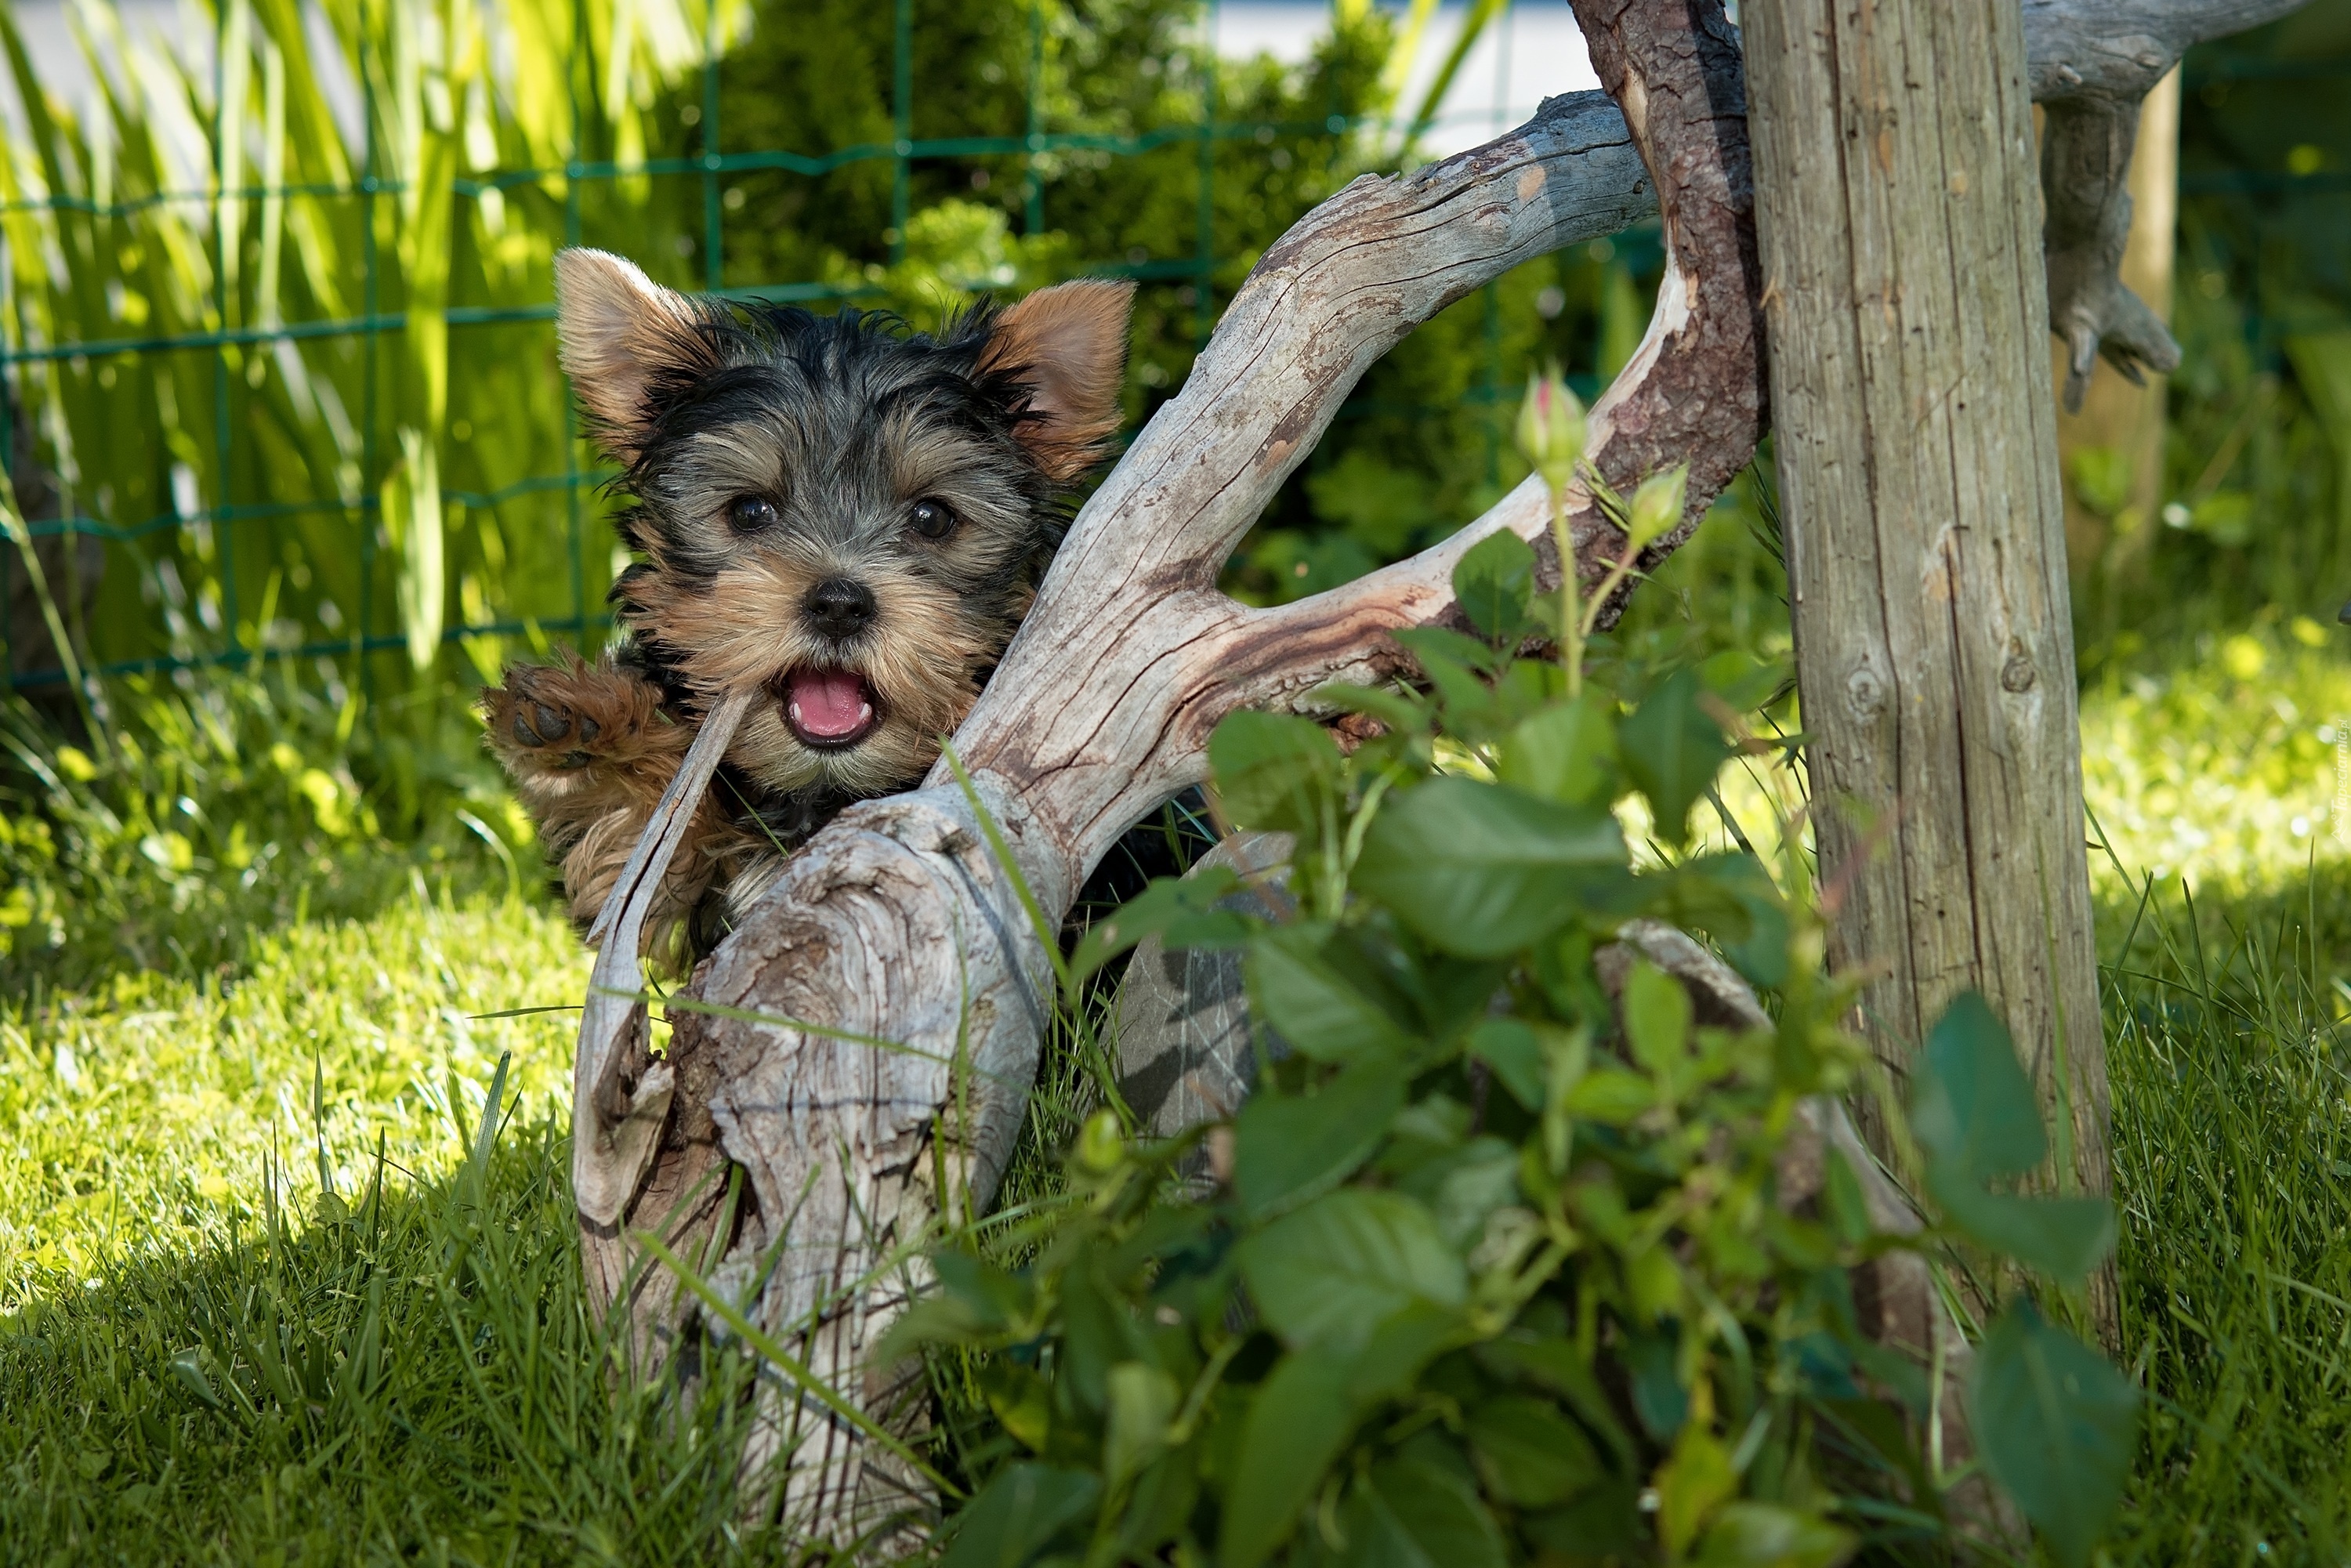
(975, 1301)
(1659, 1401)
(1273, 772)
(1021, 1401)
(1329, 1273)
(1142, 1400)
(1454, 666)
(1158, 1507)
(1656, 1017)
(1465, 1190)
(1741, 679)
(1552, 1361)
(1610, 1096)
(1605, 1523)
(1018, 1513)
(1412, 1514)
(1443, 645)
(1288, 1148)
(2056, 1425)
(1297, 1423)
(1481, 870)
(1404, 1342)
(1403, 712)
(1694, 1481)
(1305, 998)
(1766, 1535)
(1168, 903)
(1516, 1055)
(1971, 1105)
(1493, 582)
(1672, 751)
(2065, 1237)
(1761, 951)
(1974, 1112)
(1565, 752)
(1529, 1453)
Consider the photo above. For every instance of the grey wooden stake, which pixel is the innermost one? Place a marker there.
(1907, 323)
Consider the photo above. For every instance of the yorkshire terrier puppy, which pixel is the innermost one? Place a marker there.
(845, 517)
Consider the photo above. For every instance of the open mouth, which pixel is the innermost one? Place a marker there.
(829, 709)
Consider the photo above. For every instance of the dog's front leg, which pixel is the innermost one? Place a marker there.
(591, 751)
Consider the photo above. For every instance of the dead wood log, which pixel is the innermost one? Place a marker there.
(868, 1039)
(905, 922)
(2090, 64)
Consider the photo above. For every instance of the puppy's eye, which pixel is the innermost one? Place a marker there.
(932, 520)
(749, 514)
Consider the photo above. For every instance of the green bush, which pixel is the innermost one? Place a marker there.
(1493, 1269)
(206, 814)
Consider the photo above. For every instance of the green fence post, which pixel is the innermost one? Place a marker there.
(370, 512)
(11, 378)
(713, 224)
(1204, 261)
(579, 57)
(223, 518)
(902, 120)
(1033, 220)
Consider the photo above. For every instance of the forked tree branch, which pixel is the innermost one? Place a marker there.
(2091, 62)
(862, 1049)
(923, 920)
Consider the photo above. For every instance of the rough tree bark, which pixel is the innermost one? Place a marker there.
(879, 1014)
(1901, 227)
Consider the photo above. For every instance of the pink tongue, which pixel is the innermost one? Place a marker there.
(829, 702)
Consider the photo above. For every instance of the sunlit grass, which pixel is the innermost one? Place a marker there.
(2233, 767)
(163, 1215)
(141, 1118)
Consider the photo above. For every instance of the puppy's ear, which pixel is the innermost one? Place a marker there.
(1068, 345)
(621, 337)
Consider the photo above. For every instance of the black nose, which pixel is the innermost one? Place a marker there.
(840, 608)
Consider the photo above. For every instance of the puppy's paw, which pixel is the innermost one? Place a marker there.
(560, 718)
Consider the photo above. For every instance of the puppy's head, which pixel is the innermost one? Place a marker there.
(847, 517)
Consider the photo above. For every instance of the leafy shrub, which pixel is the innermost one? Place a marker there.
(205, 811)
(1494, 1267)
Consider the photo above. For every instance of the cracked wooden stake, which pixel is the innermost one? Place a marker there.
(1909, 284)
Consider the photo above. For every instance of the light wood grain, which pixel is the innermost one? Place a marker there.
(1917, 445)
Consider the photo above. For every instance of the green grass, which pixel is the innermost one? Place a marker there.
(2232, 1158)
(267, 1295)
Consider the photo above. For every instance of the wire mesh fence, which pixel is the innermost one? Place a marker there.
(278, 339)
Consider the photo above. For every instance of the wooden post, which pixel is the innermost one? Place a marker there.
(1906, 322)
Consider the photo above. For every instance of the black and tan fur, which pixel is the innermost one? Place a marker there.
(787, 476)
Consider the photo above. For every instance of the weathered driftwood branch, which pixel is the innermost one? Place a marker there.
(902, 957)
(2090, 63)
(903, 923)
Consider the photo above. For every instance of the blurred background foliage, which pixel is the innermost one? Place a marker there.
(287, 427)
(299, 469)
